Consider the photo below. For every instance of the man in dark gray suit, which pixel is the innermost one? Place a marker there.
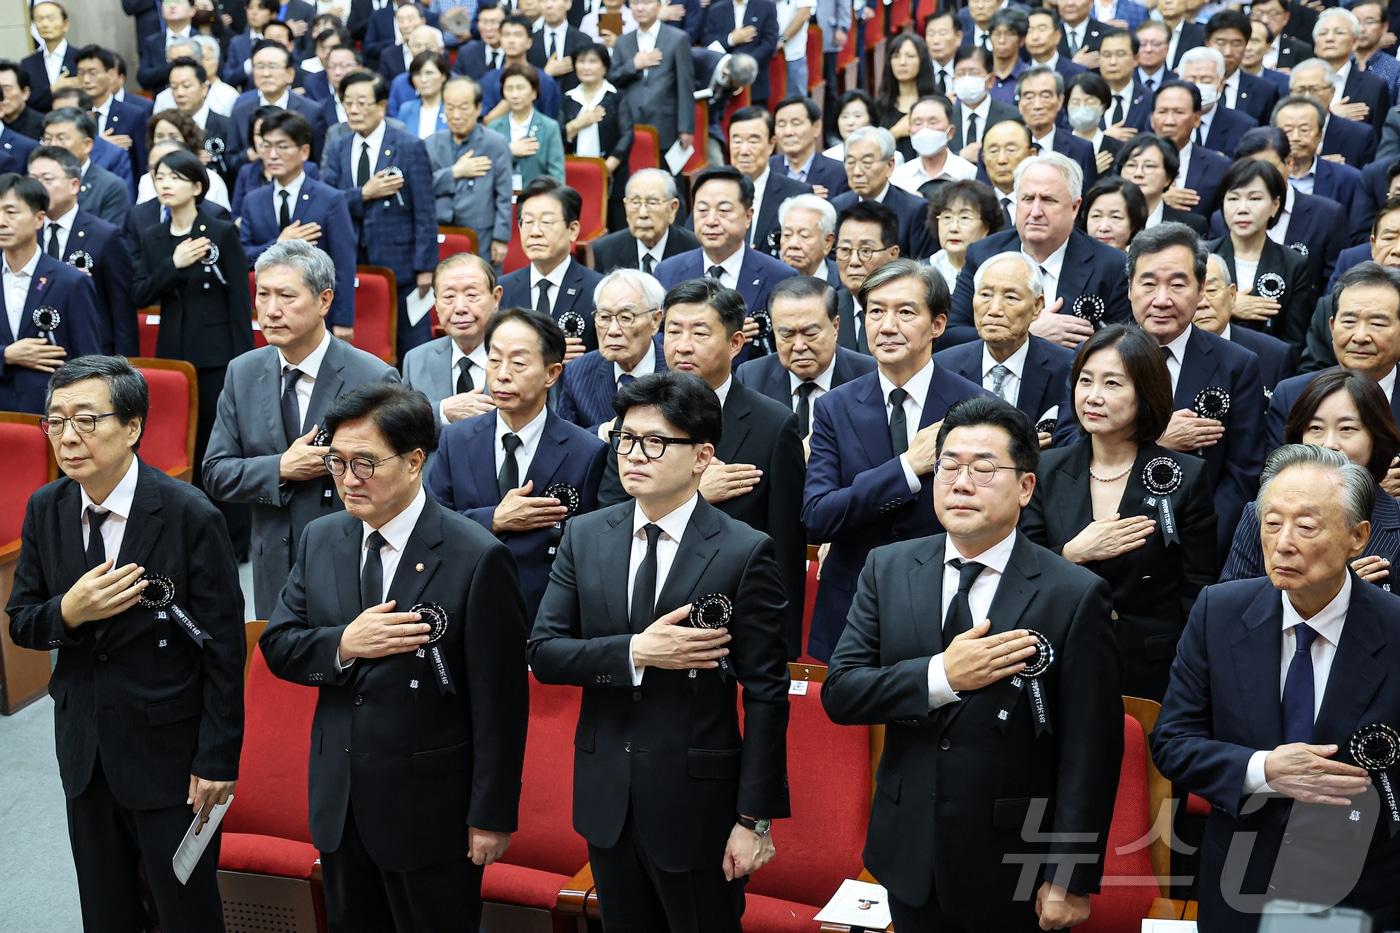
(101, 192)
(652, 233)
(451, 370)
(471, 170)
(655, 72)
(263, 449)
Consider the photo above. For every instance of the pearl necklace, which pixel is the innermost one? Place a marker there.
(1110, 479)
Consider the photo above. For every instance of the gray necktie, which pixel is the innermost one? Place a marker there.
(999, 374)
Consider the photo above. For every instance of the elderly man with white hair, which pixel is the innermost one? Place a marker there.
(1304, 121)
(1083, 280)
(1353, 140)
(870, 162)
(1006, 359)
(627, 314)
(807, 227)
(1220, 127)
(1360, 96)
(930, 128)
(652, 203)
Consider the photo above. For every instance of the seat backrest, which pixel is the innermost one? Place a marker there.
(698, 158)
(646, 148)
(821, 843)
(1123, 904)
(28, 466)
(814, 54)
(515, 252)
(777, 78)
(546, 839)
(271, 795)
(454, 240)
(258, 339)
(376, 312)
(589, 177)
(809, 601)
(147, 329)
(168, 441)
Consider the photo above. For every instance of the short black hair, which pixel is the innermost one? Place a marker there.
(723, 173)
(1171, 159)
(1009, 18)
(82, 121)
(1180, 85)
(376, 81)
(1264, 138)
(260, 115)
(404, 416)
(1161, 237)
(1390, 205)
(1091, 84)
(814, 113)
(127, 387)
(65, 159)
(726, 302)
(552, 344)
(1023, 444)
(199, 70)
(803, 287)
(570, 201)
(82, 100)
(429, 56)
(29, 190)
(108, 60)
(873, 212)
(942, 101)
(1144, 365)
(1229, 19)
(968, 52)
(188, 166)
(971, 192)
(293, 124)
(21, 76)
(521, 70)
(683, 400)
(744, 114)
(517, 19)
(265, 44)
(1113, 32)
(598, 49)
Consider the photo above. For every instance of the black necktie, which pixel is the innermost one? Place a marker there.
(959, 617)
(464, 375)
(542, 303)
(362, 169)
(96, 550)
(284, 213)
(1200, 139)
(1117, 108)
(715, 273)
(291, 406)
(1299, 690)
(509, 477)
(648, 261)
(899, 423)
(804, 406)
(372, 574)
(52, 249)
(971, 129)
(1151, 84)
(644, 586)
(552, 47)
(1006, 209)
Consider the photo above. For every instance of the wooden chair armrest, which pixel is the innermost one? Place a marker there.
(1167, 909)
(574, 896)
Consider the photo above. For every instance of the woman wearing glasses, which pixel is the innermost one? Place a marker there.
(1137, 514)
(963, 212)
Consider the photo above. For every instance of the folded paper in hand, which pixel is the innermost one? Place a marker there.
(858, 904)
(188, 852)
(677, 156)
(418, 305)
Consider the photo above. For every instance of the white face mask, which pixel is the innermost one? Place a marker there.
(1085, 118)
(1209, 95)
(929, 142)
(970, 89)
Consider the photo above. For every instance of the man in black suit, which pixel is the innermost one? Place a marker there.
(477, 57)
(867, 237)
(1363, 96)
(1079, 32)
(1176, 113)
(556, 43)
(553, 283)
(975, 111)
(808, 235)
(1228, 33)
(1303, 120)
(148, 697)
(652, 233)
(1040, 97)
(1353, 140)
(1274, 679)
(870, 161)
(154, 68)
(1185, 34)
(660, 719)
(1287, 49)
(750, 151)
(809, 363)
(53, 65)
(797, 124)
(14, 108)
(957, 839)
(408, 619)
(1007, 360)
(1220, 127)
(1129, 101)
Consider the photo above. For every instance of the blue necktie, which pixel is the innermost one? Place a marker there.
(1298, 694)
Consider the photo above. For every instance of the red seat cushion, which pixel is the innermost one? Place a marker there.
(775, 915)
(376, 305)
(265, 855)
(503, 883)
(26, 469)
(164, 443)
(590, 180)
(1197, 805)
(1123, 904)
(451, 244)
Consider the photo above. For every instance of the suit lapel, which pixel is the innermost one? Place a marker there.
(696, 551)
(1035, 378)
(1255, 649)
(345, 558)
(482, 447)
(870, 425)
(926, 589)
(327, 386)
(549, 454)
(568, 290)
(144, 527)
(615, 549)
(420, 552)
(70, 532)
(736, 422)
(1076, 268)
(1356, 675)
(1198, 370)
(1071, 500)
(269, 384)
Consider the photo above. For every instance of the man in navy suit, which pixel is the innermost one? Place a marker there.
(1167, 271)
(870, 161)
(90, 244)
(1076, 268)
(1007, 359)
(58, 318)
(497, 468)
(479, 56)
(1042, 44)
(652, 203)
(1377, 180)
(1334, 41)
(388, 185)
(1277, 360)
(1302, 120)
(756, 36)
(1273, 679)
(798, 127)
(750, 151)
(1176, 113)
(1353, 140)
(15, 150)
(1228, 33)
(723, 212)
(1040, 97)
(237, 70)
(870, 470)
(55, 61)
(1130, 103)
(1154, 43)
(297, 207)
(1220, 128)
(122, 124)
(273, 73)
(626, 318)
(809, 363)
(155, 68)
(554, 283)
(1079, 31)
(70, 101)
(867, 237)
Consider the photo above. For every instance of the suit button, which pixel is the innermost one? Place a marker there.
(627, 747)
(284, 539)
(1113, 614)
(945, 745)
(102, 657)
(347, 750)
(359, 700)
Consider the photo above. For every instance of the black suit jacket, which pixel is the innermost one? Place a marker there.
(1297, 299)
(1154, 586)
(614, 135)
(1194, 221)
(1277, 360)
(996, 112)
(1363, 87)
(767, 376)
(766, 231)
(1043, 380)
(1204, 175)
(1192, 36)
(1226, 128)
(823, 171)
(30, 122)
(137, 686)
(851, 334)
(1093, 34)
(1353, 140)
(422, 762)
(471, 59)
(687, 727)
(917, 239)
(574, 42)
(941, 823)
(111, 272)
(575, 295)
(40, 93)
(618, 250)
(1256, 98)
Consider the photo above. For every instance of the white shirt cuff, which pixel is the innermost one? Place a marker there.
(716, 46)
(342, 666)
(939, 692)
(632, 660)
(910, 476)
(442, 412)
(1254, 780)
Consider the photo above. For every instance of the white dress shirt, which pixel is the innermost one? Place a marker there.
(822, 380)
(17, 282)
(376, 142)
(1279, 231)
(979, 600)
(673, 525)
(118, 506)
(529, 442)
(1154, 216)
(983, 110)
(1016, 366)
(1075, 35)
(723, 391)
(53, 61)
(1050, 271)
(912, 175)
(657, 252)
(1184, 158)
(557, 32)
(477, 368)
(65, 230)
(917, 387)
(555, 280)
(1328, 623)
(645, 367)
(760, 185)
(310, 368)
(1387, 384)
(293, 192)
(395, 532)
(1178, 353)
(729, 268)
(588, 142)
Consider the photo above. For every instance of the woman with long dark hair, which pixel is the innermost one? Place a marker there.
(908, 75)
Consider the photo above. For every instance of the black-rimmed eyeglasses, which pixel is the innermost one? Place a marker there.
(653, 445)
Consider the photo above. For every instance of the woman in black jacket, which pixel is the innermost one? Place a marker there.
(598, 123)
(194, 267)
(1137, 514)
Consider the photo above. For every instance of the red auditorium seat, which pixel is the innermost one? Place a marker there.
(545, 852)
(515, 252)
(258, 339)
(147, 329)
(589, 177)
(454, 240)
(702, 129)
(269, 872)
(646, 148)
(809, 600)
(168, 440)
(815, 83)
(377, 312)
(777, 77)
(24, 674)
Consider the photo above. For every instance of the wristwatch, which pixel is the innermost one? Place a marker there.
(757, 827)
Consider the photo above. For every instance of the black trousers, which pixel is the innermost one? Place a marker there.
(361, 897)
(636, 896)
(113, 847)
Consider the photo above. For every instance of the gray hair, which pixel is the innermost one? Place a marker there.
(1164, 236)
(935, 289)
(1329, 74)
(1358, 489)
(434, 31)
(668, 181)
(1040, 71)
(1073, 174)
(1203, 53)
(826, 214)
(1033, 277)
(743, 69)
(653, 292)
(314, 264)
(882, 137)
(1222, 268)
(179, 44)
(208, 45)
(1347, 16)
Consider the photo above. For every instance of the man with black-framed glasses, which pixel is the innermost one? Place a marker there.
(867, 237)
(660, 721)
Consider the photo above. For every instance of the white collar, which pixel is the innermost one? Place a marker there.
(645, 366)
(477, 356)
(293, 189)
(1329, 620)
(1016, 362)
(576, 93)
(1155, 217)
(284, 101)
(659, 250)
(396, 530)
(529, 435)
(59, 52)
(66, 220)
(672, 524)
(311, 366)
(555, 278)
(375, 139)
(822, 379)
(1053, 263)
(995, 557)
(723, 391)
(1225, 334)
(27, 270)
(653, 31)
(1387, 384)
(119, 500)
(1179, 342)
(731, 266)
(917, 386)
